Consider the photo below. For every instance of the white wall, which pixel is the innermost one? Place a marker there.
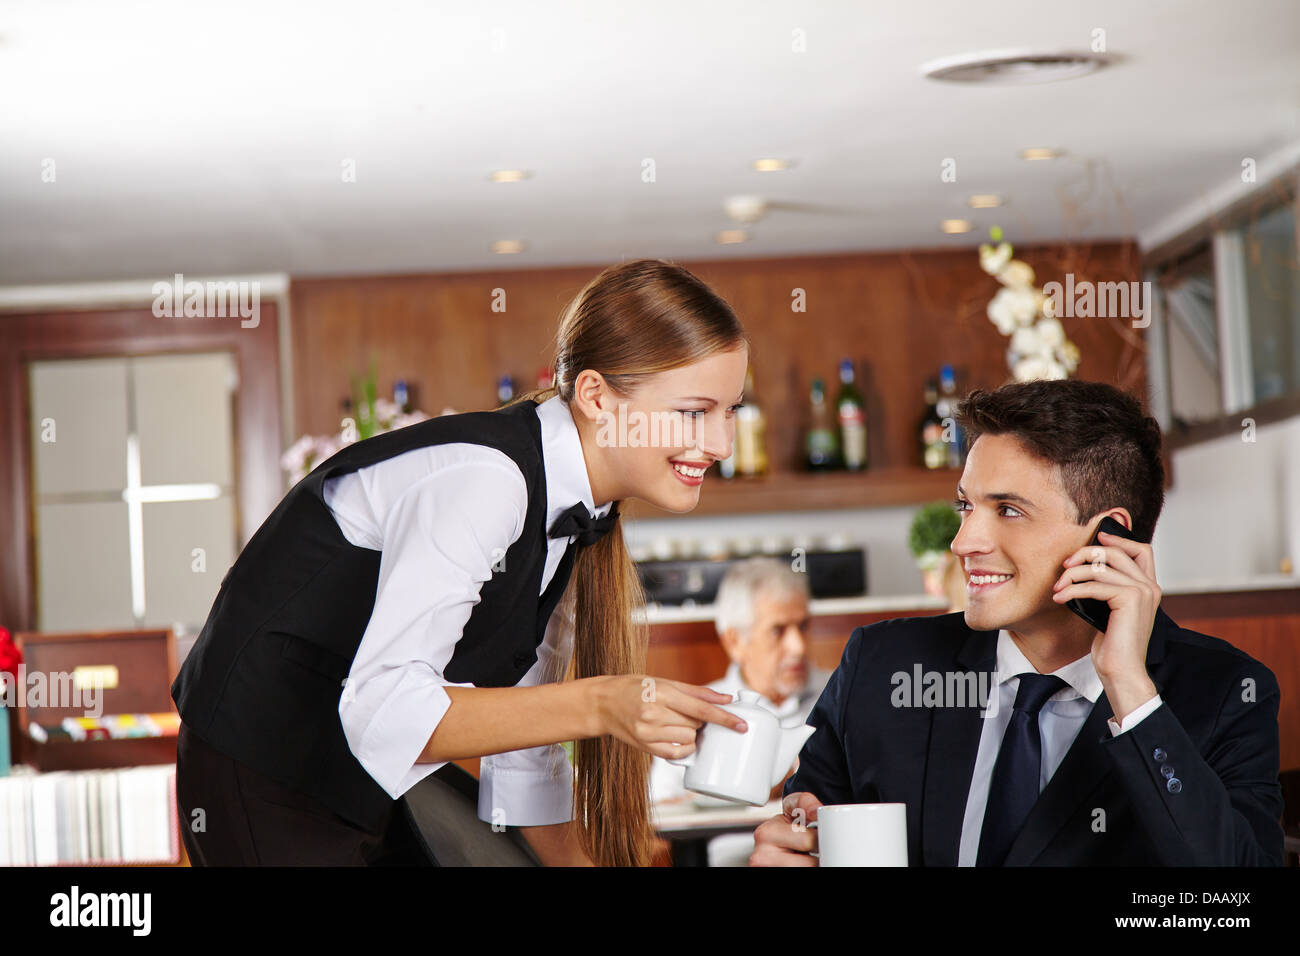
(1233, 512)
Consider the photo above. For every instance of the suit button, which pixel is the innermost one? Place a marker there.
(1166, 771)
(1159, 754)
(1173, 785)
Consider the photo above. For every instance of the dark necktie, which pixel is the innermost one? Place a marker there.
(1013, 790)
(578, 521)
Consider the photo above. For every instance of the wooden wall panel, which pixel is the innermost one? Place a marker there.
(1273, 641)
(898, 315)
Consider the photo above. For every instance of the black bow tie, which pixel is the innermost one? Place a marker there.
(578, 521)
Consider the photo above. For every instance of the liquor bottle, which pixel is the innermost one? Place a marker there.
(852, 413)
(750, 448)
(505, 389)
(823, 449)
(727, 466)
(402, 397)
(954, 454)
(545, 377)
(934, 454)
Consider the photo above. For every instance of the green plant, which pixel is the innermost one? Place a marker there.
(933, 528)
(364, 393)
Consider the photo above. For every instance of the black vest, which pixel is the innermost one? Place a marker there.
(263, 680)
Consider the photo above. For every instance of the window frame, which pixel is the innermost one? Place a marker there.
(1220, 237)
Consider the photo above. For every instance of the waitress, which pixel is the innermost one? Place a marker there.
(422, 596)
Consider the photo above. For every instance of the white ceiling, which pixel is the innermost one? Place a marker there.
(207, 137)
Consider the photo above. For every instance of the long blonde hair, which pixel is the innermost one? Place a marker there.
(633, 320)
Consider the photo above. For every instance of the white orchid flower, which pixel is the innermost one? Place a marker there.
(1048, 307)
(298, 457)
(1017, 275)
(1000, 313)
(1052, 332)
(1029, 369)
(992, 260)
(1023, 304)
(385, 411)
(1026, 341)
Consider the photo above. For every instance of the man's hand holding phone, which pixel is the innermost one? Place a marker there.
(1121, 572)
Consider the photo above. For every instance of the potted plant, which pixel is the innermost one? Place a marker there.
(373, 416)
(933, 528)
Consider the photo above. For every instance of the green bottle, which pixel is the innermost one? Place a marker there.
(852, 413)
(823, 450)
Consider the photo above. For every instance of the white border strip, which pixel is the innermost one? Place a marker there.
(1215, 200)
(129, 292)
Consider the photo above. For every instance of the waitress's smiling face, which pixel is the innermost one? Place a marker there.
(657, 442)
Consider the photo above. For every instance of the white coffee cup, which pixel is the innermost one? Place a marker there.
(861, 834)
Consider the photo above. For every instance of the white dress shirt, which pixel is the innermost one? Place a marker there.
(442, 516)
(667, 779)
(1059, 722)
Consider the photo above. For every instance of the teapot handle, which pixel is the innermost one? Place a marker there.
(690, 757)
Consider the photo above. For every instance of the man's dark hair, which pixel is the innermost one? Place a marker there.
(1107, 448)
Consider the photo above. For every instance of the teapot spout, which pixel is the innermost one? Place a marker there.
(792, 741)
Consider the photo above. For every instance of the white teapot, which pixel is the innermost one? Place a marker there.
(743, 767)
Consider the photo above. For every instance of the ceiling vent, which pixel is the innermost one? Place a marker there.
(1014, 66)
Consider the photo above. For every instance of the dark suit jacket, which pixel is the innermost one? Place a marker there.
(1216, 732)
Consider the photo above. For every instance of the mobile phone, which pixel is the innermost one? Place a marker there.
(1097, 613)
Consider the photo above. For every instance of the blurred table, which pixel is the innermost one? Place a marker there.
(688, 826)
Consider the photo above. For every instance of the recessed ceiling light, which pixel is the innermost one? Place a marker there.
(509, 175)
(508, 247)
(955, 226)
(772, 165)
(1033, 153)
(1014, 66)
(985, 201)
(729, 236)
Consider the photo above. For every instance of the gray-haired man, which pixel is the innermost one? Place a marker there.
(761, 614)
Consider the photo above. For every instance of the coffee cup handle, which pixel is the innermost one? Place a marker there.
(813, 853)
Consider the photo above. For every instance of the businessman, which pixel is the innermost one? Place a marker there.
(1143, 745)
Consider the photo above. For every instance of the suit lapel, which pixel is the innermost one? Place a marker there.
(1084, 765)
(950, 758)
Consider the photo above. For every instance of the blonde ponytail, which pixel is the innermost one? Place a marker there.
(633, 320)
(611, 800)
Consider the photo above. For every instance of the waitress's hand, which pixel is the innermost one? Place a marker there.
(659, 716)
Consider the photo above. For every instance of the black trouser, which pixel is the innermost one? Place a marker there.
(250, 820)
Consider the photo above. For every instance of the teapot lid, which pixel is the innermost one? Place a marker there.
(750, 703)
